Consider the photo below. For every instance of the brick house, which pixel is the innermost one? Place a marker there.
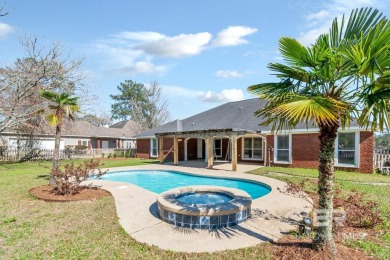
(231, 132)
(119, 135)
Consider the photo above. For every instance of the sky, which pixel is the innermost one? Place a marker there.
(202, 53)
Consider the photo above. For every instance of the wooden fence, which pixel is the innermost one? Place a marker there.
(23, 155)
(381, 158)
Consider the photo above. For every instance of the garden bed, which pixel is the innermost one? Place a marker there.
(45, 192)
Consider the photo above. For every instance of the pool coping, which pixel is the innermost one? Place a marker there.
(273, 215)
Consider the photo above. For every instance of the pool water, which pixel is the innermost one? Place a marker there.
(159, 181)
(201, 198)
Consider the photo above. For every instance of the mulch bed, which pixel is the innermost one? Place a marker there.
(290, 248)
(45, 192)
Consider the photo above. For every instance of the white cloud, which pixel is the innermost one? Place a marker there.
(177, 46)
(226, 95)
(228, 74)
(5, 29)
(141, 36)
(134, 52)
(233, 35)
(141, 67)
(319, 22)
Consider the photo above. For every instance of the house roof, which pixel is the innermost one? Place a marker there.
(124, 129)
(236, 116)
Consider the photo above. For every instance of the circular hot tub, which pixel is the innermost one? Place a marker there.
(204, 207)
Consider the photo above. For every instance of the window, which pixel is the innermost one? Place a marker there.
(153, 147)
(218, 147)
(282, 148)
(85, 143)
(346, 153)
(253, 149)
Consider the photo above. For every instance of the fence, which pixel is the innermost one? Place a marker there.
(381, 157)
(23, 155)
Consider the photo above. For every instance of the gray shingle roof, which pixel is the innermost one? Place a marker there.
(232, 115)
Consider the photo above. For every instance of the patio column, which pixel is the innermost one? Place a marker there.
(265, 149)
(176, 151)
(160, 149)
(185, 149)
(98, 143)
(234, 152)
(210, 157)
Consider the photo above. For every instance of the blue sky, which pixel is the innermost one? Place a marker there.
(203, 53)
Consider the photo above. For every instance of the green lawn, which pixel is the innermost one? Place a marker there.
(34, 229)
(347, 182)
(339, 175)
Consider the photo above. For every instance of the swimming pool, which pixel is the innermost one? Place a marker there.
(159, 181)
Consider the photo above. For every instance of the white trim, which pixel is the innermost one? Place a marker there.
(243, 148)
(289, 148)
(357, 152)
(151, 148)
(312, 130)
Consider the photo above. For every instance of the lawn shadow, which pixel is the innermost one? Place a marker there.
(43, 176)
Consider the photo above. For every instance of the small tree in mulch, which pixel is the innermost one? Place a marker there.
(68, 180)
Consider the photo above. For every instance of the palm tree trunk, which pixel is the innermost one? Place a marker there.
(56, 155)
(324, 237)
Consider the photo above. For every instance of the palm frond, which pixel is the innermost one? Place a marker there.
(311, 111)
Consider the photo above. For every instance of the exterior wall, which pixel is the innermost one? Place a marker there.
(305, 152)
(366, 161)
(192, 149)
(143, 148)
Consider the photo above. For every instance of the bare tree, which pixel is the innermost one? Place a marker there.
(42, 68)
(150, 111)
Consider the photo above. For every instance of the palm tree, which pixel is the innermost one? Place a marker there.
(63, 106)
(344, 76)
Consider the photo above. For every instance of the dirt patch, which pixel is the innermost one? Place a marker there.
(290, 248)
(45, 192)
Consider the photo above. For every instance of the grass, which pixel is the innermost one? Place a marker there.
(348, 182)
(313, 173)
(34, 229)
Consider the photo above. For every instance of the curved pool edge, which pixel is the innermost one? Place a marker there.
(235, 178)
(137, 213)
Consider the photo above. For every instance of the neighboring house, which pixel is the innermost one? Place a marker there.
(231, 132)
(119, 135)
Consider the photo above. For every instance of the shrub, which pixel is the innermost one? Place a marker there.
(360, 213)
(109, 155)
(102, 155)
(81, 147)
(67, 181)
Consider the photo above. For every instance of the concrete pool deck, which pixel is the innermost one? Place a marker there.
(272, 215)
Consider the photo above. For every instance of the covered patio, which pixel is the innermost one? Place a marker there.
(213, 149)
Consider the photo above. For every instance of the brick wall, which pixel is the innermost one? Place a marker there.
(143, 148)
(366, 152)
(305, 152)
